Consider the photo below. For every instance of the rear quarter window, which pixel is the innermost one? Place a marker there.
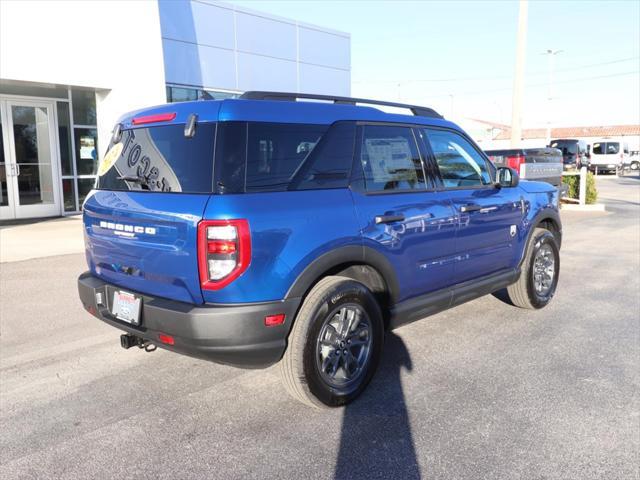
(160, 159)
(261, 157)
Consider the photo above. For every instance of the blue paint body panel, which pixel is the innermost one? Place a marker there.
(289, 230)
(421, 248)
(435, 247)
(163, 263)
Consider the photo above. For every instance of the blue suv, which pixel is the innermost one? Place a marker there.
(296, 229)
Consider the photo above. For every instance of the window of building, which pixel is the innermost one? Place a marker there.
(190, 94)
(78, 136)
(64, 134)
(84, 107)
(69, 194)
(459, 162)
(390, 159)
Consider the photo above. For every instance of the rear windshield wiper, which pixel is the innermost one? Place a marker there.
(144, 183)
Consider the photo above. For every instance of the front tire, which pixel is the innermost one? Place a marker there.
(539, 275)
(335, 344)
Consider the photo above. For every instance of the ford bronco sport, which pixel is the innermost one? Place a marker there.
(273, 229)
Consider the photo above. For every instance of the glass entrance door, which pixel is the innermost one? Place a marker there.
(29, 167)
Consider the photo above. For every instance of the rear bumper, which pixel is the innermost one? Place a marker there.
(608, 167)
(229, 334)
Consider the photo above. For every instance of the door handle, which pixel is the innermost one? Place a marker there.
(17, 169)
(389, 218)
(470, 208)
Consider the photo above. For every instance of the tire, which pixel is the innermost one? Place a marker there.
(317, 339)
(524, 294)
(634, 165)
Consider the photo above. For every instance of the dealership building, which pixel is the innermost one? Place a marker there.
(69, 69)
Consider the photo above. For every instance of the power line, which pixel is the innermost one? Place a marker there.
(535, 85)
(583, 79)
(498, 77)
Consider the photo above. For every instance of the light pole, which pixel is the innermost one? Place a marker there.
(518, 79)
(551, 56)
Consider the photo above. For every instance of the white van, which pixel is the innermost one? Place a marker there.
(607, 154)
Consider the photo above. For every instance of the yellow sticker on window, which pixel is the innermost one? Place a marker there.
(110, 159)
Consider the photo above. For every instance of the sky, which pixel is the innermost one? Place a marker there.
(459, 56)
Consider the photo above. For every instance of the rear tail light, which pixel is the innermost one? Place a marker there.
(514, 161)
(224, 252)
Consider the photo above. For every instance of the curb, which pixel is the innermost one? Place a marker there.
(572, 207)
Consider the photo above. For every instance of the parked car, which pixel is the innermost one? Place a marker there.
(632, 162)
(539, 164)
(268, 229)
(607, 155)
(575, 153)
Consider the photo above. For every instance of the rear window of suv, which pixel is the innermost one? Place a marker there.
(160, 159)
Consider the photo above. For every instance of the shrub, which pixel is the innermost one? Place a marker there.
(592, 191)
(573, 182)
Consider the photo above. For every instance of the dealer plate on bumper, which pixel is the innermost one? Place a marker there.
(126, 307)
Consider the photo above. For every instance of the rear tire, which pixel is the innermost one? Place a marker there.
(335, 344)
(539, 275)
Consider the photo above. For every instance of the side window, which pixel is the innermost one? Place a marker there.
(275, 151)
(613, 148)
(329, 164)
(459, 162)
(390, 159)
(598, 148)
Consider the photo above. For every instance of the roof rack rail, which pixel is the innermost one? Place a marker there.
(292, 97)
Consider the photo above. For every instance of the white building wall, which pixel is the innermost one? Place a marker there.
(111, 46)
(216, 45)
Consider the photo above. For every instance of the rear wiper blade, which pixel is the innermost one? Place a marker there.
(133, 178)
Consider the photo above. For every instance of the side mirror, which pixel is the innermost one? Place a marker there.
(507, 177)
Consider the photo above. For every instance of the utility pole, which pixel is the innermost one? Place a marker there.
(551, 60)
(518, 81)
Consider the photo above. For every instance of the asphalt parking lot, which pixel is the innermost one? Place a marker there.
(481, 391)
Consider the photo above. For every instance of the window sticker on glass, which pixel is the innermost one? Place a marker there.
(110, 159)
(141, 164)
(87, 148)
(389, 157)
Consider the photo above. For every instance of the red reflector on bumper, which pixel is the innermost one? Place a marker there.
(164, 338)
(273, 320)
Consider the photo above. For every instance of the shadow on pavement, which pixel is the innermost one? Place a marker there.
(376, 440)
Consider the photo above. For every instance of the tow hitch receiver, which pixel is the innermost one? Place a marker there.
(127, 341)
